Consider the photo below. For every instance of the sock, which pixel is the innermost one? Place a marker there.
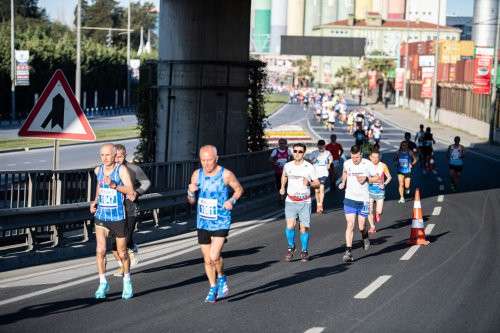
(304, 240)
(290, 237)
(348, 248)
(364, 234)
(126, 277)
(102, 278)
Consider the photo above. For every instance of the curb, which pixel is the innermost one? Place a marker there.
(14, 150)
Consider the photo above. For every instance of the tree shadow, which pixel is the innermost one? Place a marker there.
(198, 261)
(299, 277)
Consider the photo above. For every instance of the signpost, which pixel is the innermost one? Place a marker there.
(400, 77)
(427, 76)
(22, 67)
(483, 63)
(57, 115)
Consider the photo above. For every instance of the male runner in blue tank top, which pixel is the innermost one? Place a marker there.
(113, 182)
(212, 182)
(406, 160)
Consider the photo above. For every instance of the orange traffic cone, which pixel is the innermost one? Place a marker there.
(417, 235)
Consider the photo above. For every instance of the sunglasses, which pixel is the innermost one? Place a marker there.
(298, 151)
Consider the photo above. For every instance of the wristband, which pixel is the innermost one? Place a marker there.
(233, 201)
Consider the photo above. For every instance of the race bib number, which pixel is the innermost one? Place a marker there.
(108, 198)
(281, 162)
(403, 163)
(366, 208)
(208, 208)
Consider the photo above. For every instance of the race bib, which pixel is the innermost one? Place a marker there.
(207, 208)
(403, 162)
(108, 198)
(281, 162)
(455, 155)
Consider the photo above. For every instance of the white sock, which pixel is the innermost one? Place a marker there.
(126, 277)
(102, 278)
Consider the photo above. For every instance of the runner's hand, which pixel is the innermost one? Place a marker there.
(282, 191)
(132, 196)
(107, 180)
(93, 207)
(228, 205)
(192, 188)
(341, 185)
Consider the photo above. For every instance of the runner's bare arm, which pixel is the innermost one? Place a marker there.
(127, 187)
(93, 204)
(231, 180)
(284, 180)
(192, 188)
(415, 158)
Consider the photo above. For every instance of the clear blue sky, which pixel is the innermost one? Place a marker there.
(62, 10)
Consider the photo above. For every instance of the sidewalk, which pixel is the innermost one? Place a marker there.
(410, 121)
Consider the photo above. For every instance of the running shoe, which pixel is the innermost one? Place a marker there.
(401, 200)
(304, 256)
(212, 295)
(347, 258)
(127, 292)
(119, 272)
(290, 253)
(222, 288)
(366, 244)
(102, 290)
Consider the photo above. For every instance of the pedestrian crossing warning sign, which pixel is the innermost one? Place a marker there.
(57, 114)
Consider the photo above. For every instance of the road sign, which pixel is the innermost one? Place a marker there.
(57, 114)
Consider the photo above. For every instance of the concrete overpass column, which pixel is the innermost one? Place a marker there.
(202, 77)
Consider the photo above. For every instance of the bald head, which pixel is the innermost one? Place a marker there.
(208, 158)
(108, 154)
(208, 149)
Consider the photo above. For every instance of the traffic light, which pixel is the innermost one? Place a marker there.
(109, 39)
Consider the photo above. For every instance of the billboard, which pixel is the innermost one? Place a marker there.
(427, 78)
(323, 46)
(482, 70)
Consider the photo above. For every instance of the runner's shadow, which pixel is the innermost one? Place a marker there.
(299, 277)
(199, 261)
(402, 223)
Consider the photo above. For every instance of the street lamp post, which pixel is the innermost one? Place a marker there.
(433, 113)
(128, 54)
(78, 73)
(12, 65)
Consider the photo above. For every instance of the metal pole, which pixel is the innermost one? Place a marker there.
(128, 55)
(494, 83)
(433, 116)
(406, 62)
(12, 65)
(78, 51)
(55, 166)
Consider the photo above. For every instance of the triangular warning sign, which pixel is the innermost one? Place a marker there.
(57, 114)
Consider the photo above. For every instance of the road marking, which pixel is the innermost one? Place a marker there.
(428, 228)
(11, 164)
(77, 246)
(439, 179)
(396, 146)
(315, 330)
(440, 198)
(42, 161)
(411, 251)
(441, 187)
(436, 211)
(182, 223)
(372, 287)
(144, 232)
(165, 227)
(27, 162)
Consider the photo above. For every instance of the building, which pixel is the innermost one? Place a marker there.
(426, 11)
(381, 35)
(463, 23)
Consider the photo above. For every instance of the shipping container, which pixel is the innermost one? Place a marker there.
(460, 71)
(469, 71)
(443, 72)
(453, 73)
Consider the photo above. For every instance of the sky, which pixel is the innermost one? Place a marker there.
(62, 10)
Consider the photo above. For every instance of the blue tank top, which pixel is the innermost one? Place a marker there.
(110, 206)
(404, 162)
(456, 156)
(211, 197)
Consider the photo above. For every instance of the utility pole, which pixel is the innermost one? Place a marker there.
(494, 83)
(12, 65)
(406, 61)
(128, 54)
(78, 72)
(433, 113)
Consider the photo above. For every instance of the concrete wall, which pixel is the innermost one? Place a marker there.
(295, 18)
(188, 117)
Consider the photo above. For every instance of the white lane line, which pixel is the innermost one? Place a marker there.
(165, 227)
(411, 251)
(436, 211)
(439, 179)
(441, 187)
(77, 246)
(27, 162)
(372, 287)
(428, 228)
(315, 330)
(440, 198)
(396, 146)
(144, 232)
(42, 161)
(182, 223)
(11, 164)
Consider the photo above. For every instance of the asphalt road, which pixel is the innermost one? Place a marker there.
(71, 157)
(449, 286)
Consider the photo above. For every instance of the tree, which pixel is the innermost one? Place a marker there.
(304, 75)
(24, 8)
(346, 74)
(102, 14)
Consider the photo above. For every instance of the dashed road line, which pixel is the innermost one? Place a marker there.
(11, 164)
(365, 293)
(440, 198)
(429, 228)
(144, 232)
(315, 330)
(411, 251)
(436, 211)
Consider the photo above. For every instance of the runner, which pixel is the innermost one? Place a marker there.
(455, 154)
(212, 182)
(379, 178)
(331, 118)
(336, 151)
(300, 176)
(350, 122)
(419, 139)
(359, 136)
(376, 131)
(141, 185)
(356, 201)
(279, 157)
(113, 181)
(405, 159)
(322, 161)
(427, 150)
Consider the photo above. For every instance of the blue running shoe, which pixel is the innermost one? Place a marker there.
(212, 295)
(222, 288)
(127, 289)
(102, 290)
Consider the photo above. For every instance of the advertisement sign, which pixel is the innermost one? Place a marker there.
(22, 67)
(372, 80)
(426, 61)
(427, 77)
(482, 71)
(135, 64)
(400, 79)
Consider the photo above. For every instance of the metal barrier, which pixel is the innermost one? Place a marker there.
(109, 111)
(19, 189)
(22, 224)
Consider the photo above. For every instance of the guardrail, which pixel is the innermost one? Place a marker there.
(54, 220)
(33, 188)
(109, 111)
